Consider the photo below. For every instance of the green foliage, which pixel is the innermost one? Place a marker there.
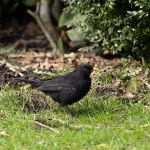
(69, 19)
(128, 70)
(7, 50)
(122, 27)
(73, 34)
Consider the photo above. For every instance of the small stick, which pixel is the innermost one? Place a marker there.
(145, 83)
(15, 71)
(47, 127)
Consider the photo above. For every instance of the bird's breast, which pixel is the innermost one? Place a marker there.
(83, 86)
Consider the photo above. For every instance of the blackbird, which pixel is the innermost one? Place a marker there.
(66, 89)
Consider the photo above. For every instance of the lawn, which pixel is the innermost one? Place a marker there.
(97, 123)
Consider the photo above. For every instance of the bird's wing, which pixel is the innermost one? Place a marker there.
(50, 86)
(57, 84)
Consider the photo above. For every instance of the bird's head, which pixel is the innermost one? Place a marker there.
(85, 70)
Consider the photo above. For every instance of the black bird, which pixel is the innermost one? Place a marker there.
(66, 89)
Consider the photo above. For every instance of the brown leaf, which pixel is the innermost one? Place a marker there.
(2, 62)
(129, 131)
(147, 107)
(57, 66)
(125, 94)
(45, 64)
(147, 134)
(71, 55)
(33, 66)
(130, 95)
(60, 59)
(26, 87)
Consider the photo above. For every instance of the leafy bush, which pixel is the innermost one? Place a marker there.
(122, 27)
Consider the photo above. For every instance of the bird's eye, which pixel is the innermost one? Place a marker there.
(85, 70)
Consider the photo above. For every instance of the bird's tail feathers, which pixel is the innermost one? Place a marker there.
(32, 82)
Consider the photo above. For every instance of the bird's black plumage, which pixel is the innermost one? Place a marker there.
(66, 89)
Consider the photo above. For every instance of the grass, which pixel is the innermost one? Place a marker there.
(96, 124)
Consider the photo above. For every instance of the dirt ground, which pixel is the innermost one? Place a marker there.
(24, 47)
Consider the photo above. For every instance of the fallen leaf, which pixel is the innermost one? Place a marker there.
(3, 133)
(129, 131)
(26, 87)
(49, 55)
(40, 142)
(102, 145)
(147, 134)
(71, 55)
(147, 107)
(45, 64)
(125, 94)
(1, 115)
(57, 66)
(130, 95)
(60, 59)
(2, 62)
(33, 66)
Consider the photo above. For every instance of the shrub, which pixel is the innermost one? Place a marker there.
(122, 27)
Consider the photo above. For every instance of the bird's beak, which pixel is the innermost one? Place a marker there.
(95, 69)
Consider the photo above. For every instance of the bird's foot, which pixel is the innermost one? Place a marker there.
(67, 112)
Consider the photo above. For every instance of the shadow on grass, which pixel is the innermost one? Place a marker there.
(87, 108)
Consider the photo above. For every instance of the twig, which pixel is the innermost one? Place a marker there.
(145, 83)
(15, 71)
(36, 16)
(47, 127)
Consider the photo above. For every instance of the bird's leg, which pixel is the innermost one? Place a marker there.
(68, 112)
